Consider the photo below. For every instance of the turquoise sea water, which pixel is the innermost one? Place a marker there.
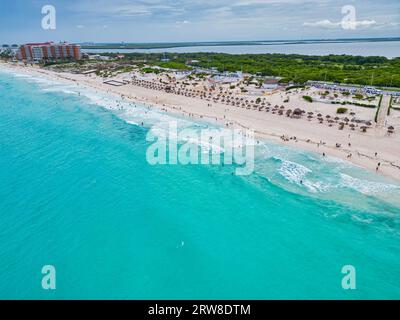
(77, 192)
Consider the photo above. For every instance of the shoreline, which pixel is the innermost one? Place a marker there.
(308, 136)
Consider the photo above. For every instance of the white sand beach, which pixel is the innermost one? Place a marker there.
(373, 149)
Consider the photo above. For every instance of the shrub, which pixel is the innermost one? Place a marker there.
(342, 110)
(308, 98)
(294, 87)
(358, 96)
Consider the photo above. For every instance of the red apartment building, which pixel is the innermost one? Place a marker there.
(36, 52)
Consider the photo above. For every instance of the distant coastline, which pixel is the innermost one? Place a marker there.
(168, 45)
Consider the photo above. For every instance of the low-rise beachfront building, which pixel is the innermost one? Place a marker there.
(271, 84)
(99, 57)
(48, 51)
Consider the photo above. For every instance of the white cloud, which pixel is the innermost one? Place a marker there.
(327, 24)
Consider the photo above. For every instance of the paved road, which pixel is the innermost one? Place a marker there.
(383, 111)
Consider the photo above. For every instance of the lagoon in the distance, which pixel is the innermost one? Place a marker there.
(389, 49)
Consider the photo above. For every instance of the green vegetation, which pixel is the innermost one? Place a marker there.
(355, 104)
(293, 69)
(150, 70)
(6, 54)
(172, 65)
(308, 98)
(342, 110)
(294, 87)
(358, 96)
(378, 71)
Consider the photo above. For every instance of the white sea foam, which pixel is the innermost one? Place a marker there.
(136, 113)
(20, 75)
(65, 90)
(293, 171)
(366, 186)
(298, 174)
(359, 219)
(42, 81)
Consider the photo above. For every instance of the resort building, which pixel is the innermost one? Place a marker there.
(271, 84)
(36, 52)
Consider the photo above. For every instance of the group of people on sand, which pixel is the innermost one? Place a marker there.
(229, 98)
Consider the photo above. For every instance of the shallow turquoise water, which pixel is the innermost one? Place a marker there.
(77, 192)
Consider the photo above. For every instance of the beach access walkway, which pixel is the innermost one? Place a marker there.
(383, 111)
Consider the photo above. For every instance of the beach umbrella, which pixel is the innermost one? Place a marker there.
(297, 112)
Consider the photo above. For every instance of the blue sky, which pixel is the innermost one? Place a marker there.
(195, 20)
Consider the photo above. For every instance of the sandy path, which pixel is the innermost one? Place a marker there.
(383, 111)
